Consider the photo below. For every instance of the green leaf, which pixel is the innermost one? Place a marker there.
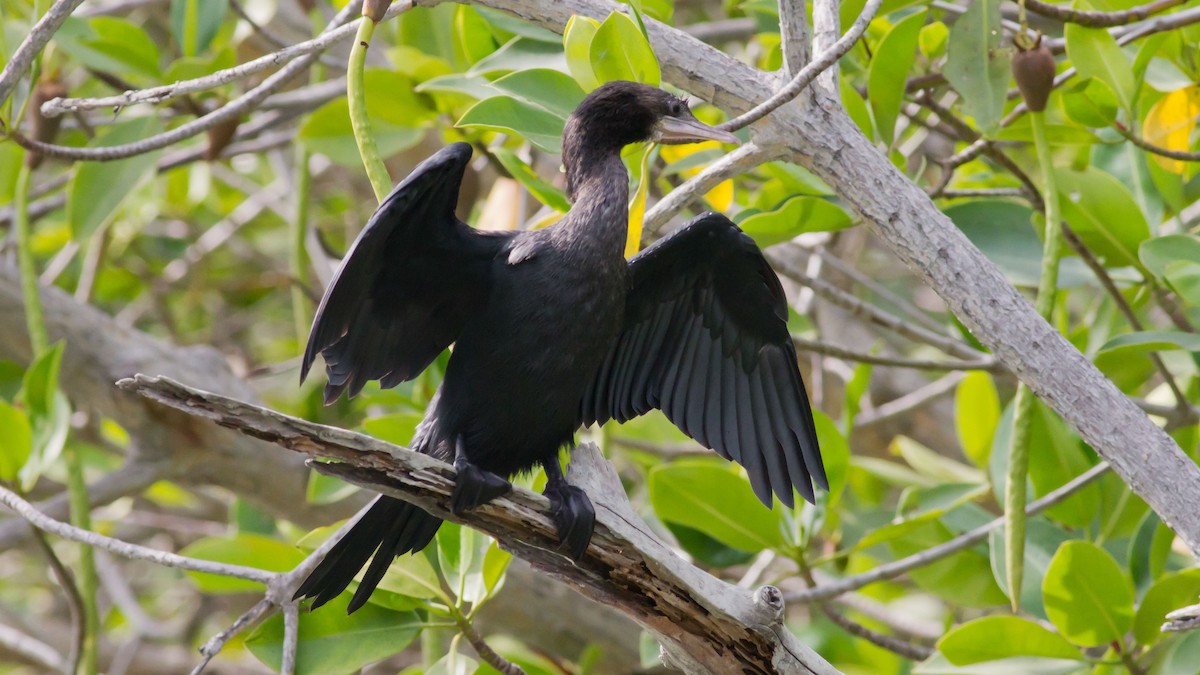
(933, 39)
(964, 578)
(453, 663)
(1159, 252)
(976, 414)
(936, 466)
(195, 23)
(507, 114)
(1095, 53)
(398, 120)
(889, 71)
(1152, 341)
(249, 550)
(1090, 102)
(1166, 595)
(1104, 214)
(41, 381)
(1004, 232)
(856, 108)
(412, 576)
(551, 90)
(113, 45)
(794, 217)
(520, 54)
(1025, 665)
(998, 637)
(1087, 595)
(682, 492)
(98, 189)
(835, 454)
(577, 43)
(324, 489)
(16, 440)
(1059, 134)
(473, 35)
(619, 51)
(541, 190)
(395, 428)
(977, 64)
(331, 643)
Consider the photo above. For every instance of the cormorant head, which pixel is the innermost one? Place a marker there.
(619, 113)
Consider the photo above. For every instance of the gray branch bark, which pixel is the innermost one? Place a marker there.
(704, 624)
(815, 132)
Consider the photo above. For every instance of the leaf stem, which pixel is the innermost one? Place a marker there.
(1018, 462)
(76, 486)
(381, 182)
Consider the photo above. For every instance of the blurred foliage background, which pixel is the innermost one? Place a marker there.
(226, 239)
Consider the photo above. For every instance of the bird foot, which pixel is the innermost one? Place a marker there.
(574, 517)
(475, 487)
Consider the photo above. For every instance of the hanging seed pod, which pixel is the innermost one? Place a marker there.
(42, 128)
(375, 9)
(219, 138)
(1033, 69)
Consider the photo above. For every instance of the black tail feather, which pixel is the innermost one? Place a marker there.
(390, 528)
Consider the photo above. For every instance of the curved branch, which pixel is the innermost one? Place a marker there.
(230, 111)
(1097, 19)
(804, 344)
(809, 72)
(959, 543)
(32, 45)
(704, 624)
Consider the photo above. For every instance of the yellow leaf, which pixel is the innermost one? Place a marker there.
(637, 207)
(721, 197)
(1170, 123)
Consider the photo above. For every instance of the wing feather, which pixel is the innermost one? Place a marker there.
(706, 341)
(407, 285)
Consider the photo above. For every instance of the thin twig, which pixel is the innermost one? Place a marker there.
(291, 638)
(229, 111)
(216, 643)
(333, 34)
(809, 72)
(74, 600)
(877, 288)
(1097, 19)
(32, 649)
(910, 401)
(806, 345)
(741, 160)
(1181, 155)
(32, 45)
(275, 40)
(124, 549)
(871, 312)
(959, 543)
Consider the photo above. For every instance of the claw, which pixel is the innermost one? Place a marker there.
(473, 486)
(573, 515)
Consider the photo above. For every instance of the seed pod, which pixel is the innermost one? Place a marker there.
(43, 128)
(1033, 70)
(219, 137)
(375, 9)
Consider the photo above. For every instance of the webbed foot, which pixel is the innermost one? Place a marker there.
(572, 511)
(473, 486)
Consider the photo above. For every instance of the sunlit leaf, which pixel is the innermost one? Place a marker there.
(1087, 595)
(507, 114)
(577, 43)
(795, 217)
(682, 492)
(619, 51)
(331, 643)
(1094, 53)
(1170, 124)
(249, 550)
(637, 206)
(889, 71)
(997, 637)
(1166, 595)
(98, 189)
(976, 414)
(16, 440)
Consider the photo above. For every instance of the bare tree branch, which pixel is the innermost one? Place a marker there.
(31, 46)
(1097, 19)
(741, 160)
(793, 36)
(825, 59)
(704, 624)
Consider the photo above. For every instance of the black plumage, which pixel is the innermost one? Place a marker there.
(554, 329)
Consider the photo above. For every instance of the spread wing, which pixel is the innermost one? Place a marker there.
(407, 285)
(705, 340)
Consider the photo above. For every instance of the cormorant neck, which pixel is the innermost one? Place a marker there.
(598, 188)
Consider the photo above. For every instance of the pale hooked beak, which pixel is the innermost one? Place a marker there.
(676, 130)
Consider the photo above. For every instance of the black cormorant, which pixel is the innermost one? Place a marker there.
(553, 329)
